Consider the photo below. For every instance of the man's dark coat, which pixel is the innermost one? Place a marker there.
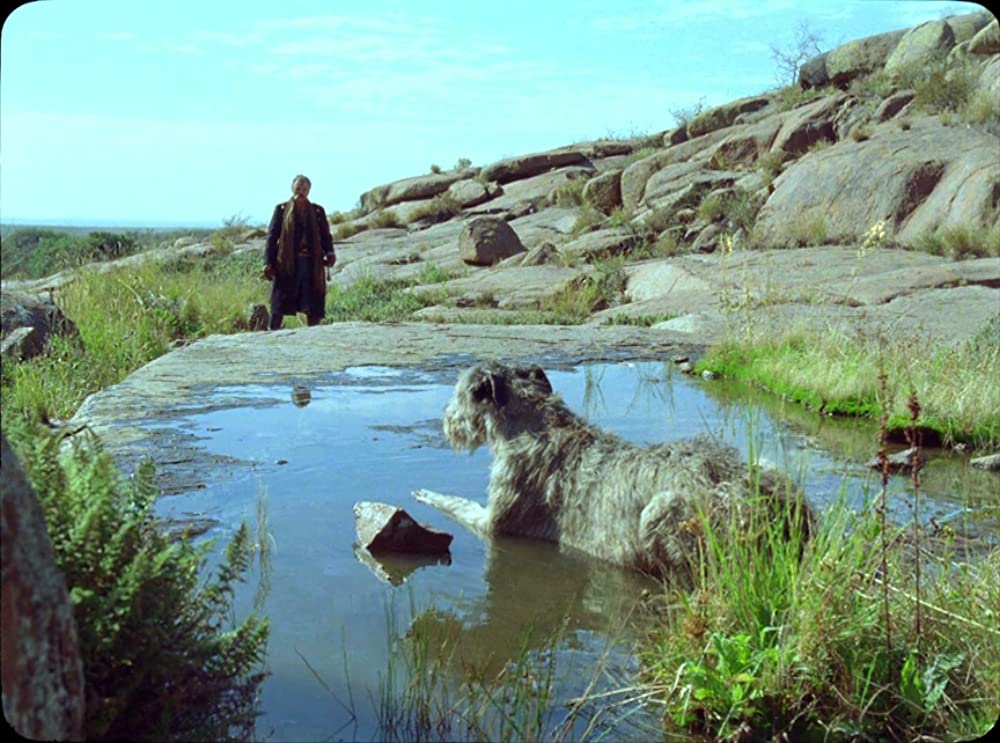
(292, 293)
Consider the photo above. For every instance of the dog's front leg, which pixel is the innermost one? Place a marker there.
(463, 511)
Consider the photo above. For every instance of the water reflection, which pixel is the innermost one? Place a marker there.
(395, 569)
(301, 396)
(534, 595)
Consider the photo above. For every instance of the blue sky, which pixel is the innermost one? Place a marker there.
(188, 113)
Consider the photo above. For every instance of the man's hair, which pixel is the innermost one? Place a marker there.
(301, 177)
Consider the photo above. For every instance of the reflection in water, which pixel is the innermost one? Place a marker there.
(394, 569)
(535, 593)
(301, 396)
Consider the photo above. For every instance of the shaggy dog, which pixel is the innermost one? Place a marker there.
(558, 478)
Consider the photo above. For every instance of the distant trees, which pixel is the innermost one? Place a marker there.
(35, 252)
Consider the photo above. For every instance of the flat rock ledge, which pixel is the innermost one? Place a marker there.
(136, 418)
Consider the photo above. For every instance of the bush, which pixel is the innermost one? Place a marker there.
(385, 218)
(161, 659)
(441, 208)
(570, 193)
(961, 241)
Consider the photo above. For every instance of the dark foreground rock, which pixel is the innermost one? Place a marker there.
(29, 322)
(384, 528)
(42, 671)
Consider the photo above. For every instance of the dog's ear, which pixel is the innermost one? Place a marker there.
(491, 387)
(537, 374)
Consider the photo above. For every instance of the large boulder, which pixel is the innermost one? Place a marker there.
(966, 26)
(21, 310)
(636, 175)
(805, 126)
(488, 240)
(685, 184)
(860, 57)
(525, 166)
(43, 694)
(604, 192)
(745, 146)
(989, 462)
(412, 189)
(813, 74)
(912, 181)
(470, 192)
(987, 40)
(919, 45)
(725, 115)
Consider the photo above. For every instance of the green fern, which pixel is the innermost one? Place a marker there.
(163, 657)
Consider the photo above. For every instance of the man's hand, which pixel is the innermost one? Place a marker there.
(268, 273)
(329, 259)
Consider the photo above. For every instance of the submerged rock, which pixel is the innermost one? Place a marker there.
(990, 463)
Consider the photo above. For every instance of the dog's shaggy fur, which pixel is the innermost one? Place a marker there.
(558, 478)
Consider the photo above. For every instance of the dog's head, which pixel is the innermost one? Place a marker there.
(485, 397)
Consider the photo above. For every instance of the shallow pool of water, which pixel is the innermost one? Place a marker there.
(375, 434)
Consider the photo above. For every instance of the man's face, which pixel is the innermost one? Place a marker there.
(300, 189)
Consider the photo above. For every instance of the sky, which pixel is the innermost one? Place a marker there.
(180, 113)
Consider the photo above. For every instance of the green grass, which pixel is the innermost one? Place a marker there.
(600, 289)
(766, 645)
(641, 321)
(837, 374)
(385, 218)
(130, 316)
(441, 208)
(373, 300)
(126, 318)
(961, 241)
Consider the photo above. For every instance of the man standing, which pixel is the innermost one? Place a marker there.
(299, 247)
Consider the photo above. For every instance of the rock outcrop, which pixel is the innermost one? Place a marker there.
(488, 240)
(29, 322)
(43, 695)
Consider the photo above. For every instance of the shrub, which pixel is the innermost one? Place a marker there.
(603, 287)
(712, 207)
(808, 230)
(589, 218)
(441, 208)
(385, 218)
(861, 133)
(463, 163)
(348, 229)
(570, 193)
(961, 241)
(801, 49)
(684, 114)
(792, 96)
(640, 154)
(162, 659)
(435, 169)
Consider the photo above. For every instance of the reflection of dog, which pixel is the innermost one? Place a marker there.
(555, 477)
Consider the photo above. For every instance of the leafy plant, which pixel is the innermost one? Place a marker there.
(162, 658)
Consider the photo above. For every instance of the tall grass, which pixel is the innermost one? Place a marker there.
(429, 691)
(130, 316)
(836, 373)
(834, 639)
(126, 318)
